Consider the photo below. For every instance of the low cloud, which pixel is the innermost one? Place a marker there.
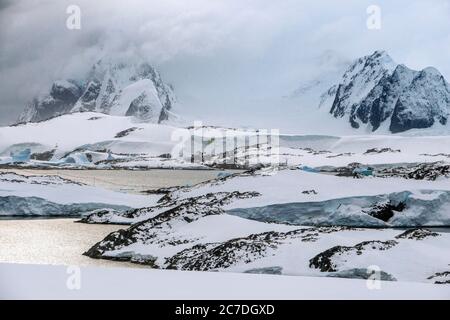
(220, 55)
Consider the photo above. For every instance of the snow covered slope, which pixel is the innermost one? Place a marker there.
(103, 141)
(189, 239)
(255, 222)
(131, 88)
(93, 130)
(20, 281)
(51, 196)
(303, 198)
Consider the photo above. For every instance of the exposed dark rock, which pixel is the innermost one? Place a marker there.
(361, 273)
(441, 277)
(102, 216)
(325, 260)
(345, 154)
(421, 171)
(44, 156)
(142, 108)
(349, 170)
(417, 234)
(309, 191)
(386, 211)
(60, 100)
(88, 100)
(429, 171)
(213, 256)
(126, 132)
(147, 260)
(436, 155)
(267, 270)
(374, 90)
(359, 77)
(161, 190)
(315, 152)
(184, 212)
(382, 150)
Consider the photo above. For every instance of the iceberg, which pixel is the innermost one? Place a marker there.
(21, 156)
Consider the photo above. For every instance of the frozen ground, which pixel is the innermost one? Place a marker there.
(51, 195)
(114, 142)
(253, 222)
(50, 282)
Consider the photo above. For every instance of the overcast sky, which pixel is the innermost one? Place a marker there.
(223, 56)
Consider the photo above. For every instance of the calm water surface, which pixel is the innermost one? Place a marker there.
(128, 180)
(62, 241)
(52, 241)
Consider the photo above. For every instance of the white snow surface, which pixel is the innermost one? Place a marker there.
(145, 86)
(68, 132)
(286, 186)
(409, 260)
(94, 132)
(62, 191)
(33, 282)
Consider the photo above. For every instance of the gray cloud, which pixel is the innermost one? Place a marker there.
(224, 57)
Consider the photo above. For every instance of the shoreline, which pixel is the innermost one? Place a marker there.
(128, 181)
(445, 229)
(54, 242)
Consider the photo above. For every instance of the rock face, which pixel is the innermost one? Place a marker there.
(417, 234)
(361, 273)
(329, 260)
(153, 229)
(60, 100)
(376, 92)
(213, 256)
(131, 89)
(441, 277)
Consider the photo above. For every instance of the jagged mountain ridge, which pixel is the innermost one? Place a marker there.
(116, 88)
(375, 92)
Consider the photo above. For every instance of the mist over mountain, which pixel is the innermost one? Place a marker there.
(111, 87)
(229, 61)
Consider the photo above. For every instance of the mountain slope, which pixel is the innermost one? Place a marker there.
(376, 92)
(111, 87)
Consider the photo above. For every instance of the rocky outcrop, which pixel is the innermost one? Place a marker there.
(358, 81)
(60, 100)
(440, 277)
(328, 260)
(417, 171)
(385, 211)
(212, 256)
(267, 270)
(152, 229)
(417, 234)
(361, 273)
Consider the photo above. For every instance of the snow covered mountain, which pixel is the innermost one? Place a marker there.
(111, 87)
(376, 92)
